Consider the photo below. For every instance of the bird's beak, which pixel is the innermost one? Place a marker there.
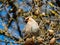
(25, 21)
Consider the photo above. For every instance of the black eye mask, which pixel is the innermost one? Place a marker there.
(26, 20)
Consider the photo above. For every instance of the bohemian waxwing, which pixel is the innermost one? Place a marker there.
(31, 27)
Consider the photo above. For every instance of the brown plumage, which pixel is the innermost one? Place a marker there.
(31, 27)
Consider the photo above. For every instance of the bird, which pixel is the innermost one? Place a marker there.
(31, 27)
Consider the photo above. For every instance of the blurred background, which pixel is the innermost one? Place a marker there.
(12, 13)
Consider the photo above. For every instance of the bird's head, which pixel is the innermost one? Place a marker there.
(27, 19)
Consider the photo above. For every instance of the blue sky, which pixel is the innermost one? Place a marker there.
(4, 13)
